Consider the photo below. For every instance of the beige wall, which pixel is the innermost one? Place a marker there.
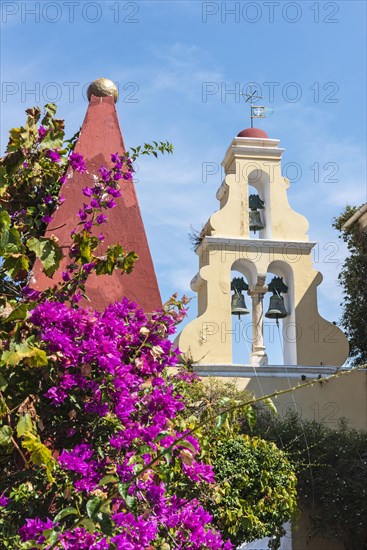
(325, 401)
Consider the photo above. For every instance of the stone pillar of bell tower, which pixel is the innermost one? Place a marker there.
(258, 354)
(282, 249)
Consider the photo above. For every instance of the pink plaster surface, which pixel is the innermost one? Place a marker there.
(99, 137)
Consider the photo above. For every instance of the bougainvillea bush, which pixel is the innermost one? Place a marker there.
(105, 416)
(93, 449)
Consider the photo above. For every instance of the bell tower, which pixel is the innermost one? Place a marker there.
(256, 232)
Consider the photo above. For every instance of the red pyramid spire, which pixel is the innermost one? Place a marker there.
(99, 137)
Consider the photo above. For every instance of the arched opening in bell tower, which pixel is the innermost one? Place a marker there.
(280, 334)
(241, 309)
(258, 184)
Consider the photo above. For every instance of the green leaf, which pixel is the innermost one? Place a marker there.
(107, 479)
(168, 456)
(34, 112)
(123, 489)
(29, 545)
(187, 445)
(4, 220)
(3, 407)
(84, 242)
(14, 139)
(48, 251)
(105, 523)
(224, 401)
(221, 418)
(33, 356)
(3, 181)
(37, 358)
(5, 435)
(16, 266)
(51, 108)
(52, 141)
(40, 454)
(130, 501)
(3, 382)
(19, 313)
(93, 506)
(70, 511)
(269, 403)
(251, 416)
(10, 242)
(25, 424)
(52, 536)
(88, 524)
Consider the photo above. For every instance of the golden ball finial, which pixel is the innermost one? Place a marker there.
(102, 87)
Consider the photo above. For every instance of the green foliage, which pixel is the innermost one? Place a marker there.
(115, 257)
(6, 434)
(48, 251)
(255, 492)
(148, 149)
(28, 177)
(24, 351)
(331, 467)
(353, 277)
(257, 489)
(39, 454)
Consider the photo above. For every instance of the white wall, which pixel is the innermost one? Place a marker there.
(286, 542)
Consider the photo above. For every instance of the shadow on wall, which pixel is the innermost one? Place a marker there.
(319, 342)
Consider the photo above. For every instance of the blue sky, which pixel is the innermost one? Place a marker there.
(176, 64)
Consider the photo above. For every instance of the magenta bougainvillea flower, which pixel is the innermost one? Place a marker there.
(54, 155)
(77, 163)
(113, 364)
(42, 131)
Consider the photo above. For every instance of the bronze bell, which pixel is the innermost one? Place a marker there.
(238, 306)
(276, 308)
(255, 221)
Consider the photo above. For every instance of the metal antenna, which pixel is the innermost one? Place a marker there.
(250, 97)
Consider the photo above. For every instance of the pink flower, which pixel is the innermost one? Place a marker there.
(77, 163)
(4, 501)
(87, 191)
(48, 199)
(57, 395)
(110, 204)
(53, 155)
(105, 173)
(41, 133)
(33, 530)
(115, 157)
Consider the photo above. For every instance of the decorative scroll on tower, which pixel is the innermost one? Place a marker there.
(283, 249)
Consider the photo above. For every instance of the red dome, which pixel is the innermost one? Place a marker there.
(254, 133)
